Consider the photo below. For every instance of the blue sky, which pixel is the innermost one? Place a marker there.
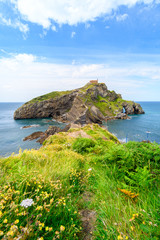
(59, 44)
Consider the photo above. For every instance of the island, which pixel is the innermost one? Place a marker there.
(92, 103)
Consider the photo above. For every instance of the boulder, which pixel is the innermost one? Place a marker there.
(33, 136)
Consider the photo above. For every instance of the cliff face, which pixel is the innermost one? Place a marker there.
(92, 103)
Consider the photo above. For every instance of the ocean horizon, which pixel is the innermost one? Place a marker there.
(137, 128)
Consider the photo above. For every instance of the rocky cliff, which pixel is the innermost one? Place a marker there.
(92, 103)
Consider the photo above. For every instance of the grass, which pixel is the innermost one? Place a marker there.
(122, 179)
(48, 96)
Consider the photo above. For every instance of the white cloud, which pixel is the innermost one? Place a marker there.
(54, 28)
(122, 17)
(15, 24)
(25, 58)
(73, 34)
(69, 12)
(24, 77)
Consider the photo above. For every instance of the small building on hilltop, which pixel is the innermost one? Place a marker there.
(93, 81)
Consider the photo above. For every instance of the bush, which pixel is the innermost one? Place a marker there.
(82, 145)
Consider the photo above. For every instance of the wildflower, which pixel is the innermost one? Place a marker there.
(39, 208)
(14, 228)
(90, 169)
(41, 238)
(62, 228)
(120, 237)
(41, 224)
(5, 220)
(129, 193)
(17, 221)
(47, 229)
(1, 233)
(27, 203)
(10, 233)
(50, 229)
(135, 215)
(1, 214)
(56, 232)
(132, 228)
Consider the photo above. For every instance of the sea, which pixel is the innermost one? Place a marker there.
(137, 128)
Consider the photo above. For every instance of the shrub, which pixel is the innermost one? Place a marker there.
(82, 145)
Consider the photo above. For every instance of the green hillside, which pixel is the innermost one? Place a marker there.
(82, 184)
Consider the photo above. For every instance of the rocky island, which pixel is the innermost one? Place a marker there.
(93, 103)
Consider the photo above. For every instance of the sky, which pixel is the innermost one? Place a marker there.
(56, 45)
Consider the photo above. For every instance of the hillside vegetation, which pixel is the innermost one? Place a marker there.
(82, 184)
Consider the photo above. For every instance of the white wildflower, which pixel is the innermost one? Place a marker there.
(90, 169)
(27, 203)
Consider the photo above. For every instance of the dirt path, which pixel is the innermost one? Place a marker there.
(88, 218)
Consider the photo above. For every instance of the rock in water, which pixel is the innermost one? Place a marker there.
(41, 136)
(93, 103)
(33, 136)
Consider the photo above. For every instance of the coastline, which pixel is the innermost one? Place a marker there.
(11, 142)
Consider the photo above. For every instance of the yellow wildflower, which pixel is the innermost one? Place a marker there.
(41, 238)
(1, 233)
(39, 208)
(41, 224)
(126, 237)
(120, 237)
(56, 232)
(47, 228)
(50, 229)
(14, 228)
(10, 233)
(1, 214)
(135, 215)
(62, 228)
(5, 220)
(16, 222)
(40, 228)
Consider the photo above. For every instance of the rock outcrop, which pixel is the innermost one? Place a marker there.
(42, 136)
(93, 103)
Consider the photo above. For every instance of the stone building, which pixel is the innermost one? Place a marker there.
(93, 81)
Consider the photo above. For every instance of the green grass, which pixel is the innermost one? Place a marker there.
(48, 96)
(122, 179)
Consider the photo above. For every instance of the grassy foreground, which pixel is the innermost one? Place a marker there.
(119, 180)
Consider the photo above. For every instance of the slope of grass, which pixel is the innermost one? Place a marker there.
(48, 96)
(122, 179)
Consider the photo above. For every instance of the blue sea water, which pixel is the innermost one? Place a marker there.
(12, 133)
(139, 127)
